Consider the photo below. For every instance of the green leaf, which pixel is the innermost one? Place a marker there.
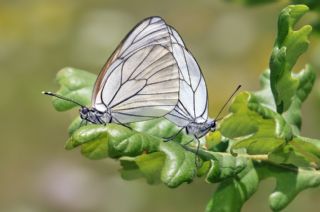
(292, 116)
(161, 128)
(253, 128)
(98, 141)
(216, 143)
(131, 171)
(315, 142)
(179, 165)
(148, 166)
(306, 79)
(297, 152)
(289, 45)
(254, 124)
(116, 141)
(172, 165)
(264, 96)
(232, 193)
(224, 167)
(75, 124)
(289, 183)
(243, 121)
(74, 84)
(257, 128)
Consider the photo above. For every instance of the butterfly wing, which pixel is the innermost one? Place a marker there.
(149, 88)
(142, 86)
(174, 36)
(193, 100)
(150, 31)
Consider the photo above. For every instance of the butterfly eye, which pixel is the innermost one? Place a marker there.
(84, 110)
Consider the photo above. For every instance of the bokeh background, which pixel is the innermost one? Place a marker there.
(232, 44)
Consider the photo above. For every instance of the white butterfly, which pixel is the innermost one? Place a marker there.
(139, 81)
(191, 112)
(151, 74)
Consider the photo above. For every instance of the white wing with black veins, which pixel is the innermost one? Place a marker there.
(193, 100)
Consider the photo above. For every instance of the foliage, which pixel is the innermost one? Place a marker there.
(260, 138)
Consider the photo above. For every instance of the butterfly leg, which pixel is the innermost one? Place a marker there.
(197, 158)
(173, 136)
(83, 123)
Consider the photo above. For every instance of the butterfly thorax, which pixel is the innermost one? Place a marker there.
(95, 116)
(200, 129)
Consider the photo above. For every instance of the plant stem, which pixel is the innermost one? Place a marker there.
(206, 155)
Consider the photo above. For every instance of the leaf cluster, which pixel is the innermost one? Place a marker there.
(259, 139)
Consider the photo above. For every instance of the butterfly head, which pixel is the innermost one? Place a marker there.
(212, 124)
(84, 112)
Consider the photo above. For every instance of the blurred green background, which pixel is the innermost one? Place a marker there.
(232, 44)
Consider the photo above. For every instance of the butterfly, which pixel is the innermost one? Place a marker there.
(151, 74)
(191, 111)
(139, 81)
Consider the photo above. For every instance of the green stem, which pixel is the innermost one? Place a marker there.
(206, 155)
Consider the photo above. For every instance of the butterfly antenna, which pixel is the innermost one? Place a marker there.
(225, 104)
(61, 97)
